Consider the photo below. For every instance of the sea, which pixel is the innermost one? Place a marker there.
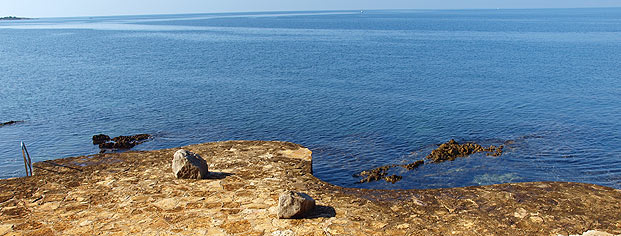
(360, 89)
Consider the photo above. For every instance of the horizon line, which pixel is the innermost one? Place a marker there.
(325, 10)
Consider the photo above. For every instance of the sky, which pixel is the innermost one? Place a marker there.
(60, 8)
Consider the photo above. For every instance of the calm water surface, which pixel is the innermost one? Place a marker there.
(360, 90)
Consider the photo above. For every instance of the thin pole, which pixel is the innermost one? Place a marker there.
(29, 160)
(25, 161)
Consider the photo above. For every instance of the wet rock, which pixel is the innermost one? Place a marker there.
(413, 165)
(100, 138)
(137, 139)
(381, 173)
(451, 150)
(448, 151)
(294, 205)
(11, 122)
(393, 178)
(189, 165)
(121, 142)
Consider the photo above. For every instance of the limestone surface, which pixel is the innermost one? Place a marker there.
(189, 165)
(134, 193)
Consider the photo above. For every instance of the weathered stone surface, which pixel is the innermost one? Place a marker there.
(294, 205)
(131, 193)
(189, 165)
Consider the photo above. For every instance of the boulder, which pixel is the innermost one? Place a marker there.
(294, 205)
(189, 165)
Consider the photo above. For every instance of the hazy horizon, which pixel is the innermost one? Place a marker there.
(74, 8)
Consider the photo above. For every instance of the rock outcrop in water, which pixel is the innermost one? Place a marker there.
(451, 150)
(12, 122)
(448, 151)
(100, 138)
(120, 142)
(381, 172)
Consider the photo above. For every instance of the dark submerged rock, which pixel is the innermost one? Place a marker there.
(100, 138)
(121, 142)
(451, 150)
(448, 151)
(12, 122)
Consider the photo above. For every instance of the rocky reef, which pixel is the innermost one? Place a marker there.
(451, 150)
(136, 193)
(381, 173)
(120, 142)
(448, 151)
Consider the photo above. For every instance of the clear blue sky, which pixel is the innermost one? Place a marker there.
(50, 8)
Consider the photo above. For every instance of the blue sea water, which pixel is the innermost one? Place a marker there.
(360, 89)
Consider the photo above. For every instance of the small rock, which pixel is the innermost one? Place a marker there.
(100, 138)
(189, 165)
(294, 205)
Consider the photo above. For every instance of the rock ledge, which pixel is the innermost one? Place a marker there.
(134, 193)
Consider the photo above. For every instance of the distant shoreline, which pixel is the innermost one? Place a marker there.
(14, 18)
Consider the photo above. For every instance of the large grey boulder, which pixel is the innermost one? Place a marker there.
(294, 205)
(189, 165)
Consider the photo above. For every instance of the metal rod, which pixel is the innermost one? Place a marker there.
(25, 161)
(29, 160)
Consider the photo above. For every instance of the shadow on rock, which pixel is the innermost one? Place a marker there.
(218, 175)
(321, 212)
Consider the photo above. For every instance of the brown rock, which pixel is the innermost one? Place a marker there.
(451, 150)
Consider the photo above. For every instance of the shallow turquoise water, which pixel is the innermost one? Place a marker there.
(360, 90)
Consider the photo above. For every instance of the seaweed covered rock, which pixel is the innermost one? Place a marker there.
(451, 150)
(374, 174)
(294, 205)
(120, 142)
(448, 151)
(100, 138)
(413, 165)
(189, 165)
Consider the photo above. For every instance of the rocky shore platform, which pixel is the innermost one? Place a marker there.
(136, 193)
